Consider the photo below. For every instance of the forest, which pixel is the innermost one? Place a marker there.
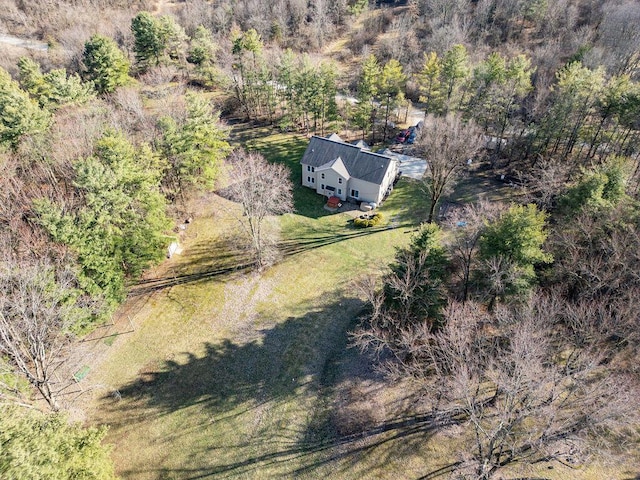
(515, 323)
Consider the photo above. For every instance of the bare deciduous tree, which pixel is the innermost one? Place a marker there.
(596, 276)
(618, 38)
(518, 393)
(598, 254)
(263, 190)
(467, 225)
(547, 180)
(446, 143)
(37, 309)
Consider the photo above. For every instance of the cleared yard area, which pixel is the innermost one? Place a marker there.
(230, 374)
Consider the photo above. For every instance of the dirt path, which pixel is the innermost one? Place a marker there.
(23, 43)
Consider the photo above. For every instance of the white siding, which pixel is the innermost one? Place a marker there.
(331, 179)
(369, 192)
(388, 178)
(307, 176)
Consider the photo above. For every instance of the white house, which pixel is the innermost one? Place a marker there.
(333, 167)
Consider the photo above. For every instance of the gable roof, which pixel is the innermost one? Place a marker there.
(337, 166)
(359, 163)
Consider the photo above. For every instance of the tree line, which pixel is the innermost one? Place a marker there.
(580, 114)
(88, 179)
(88, 175)
(516, 325)
(572, 109)
(510, 320)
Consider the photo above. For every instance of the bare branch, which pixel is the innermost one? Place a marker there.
(263, 190)
(36, 312)
(446, 143)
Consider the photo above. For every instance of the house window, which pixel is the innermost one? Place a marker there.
(308, 179)
(322, 186)
(339, 191)
(322, 176)
(313, 179)
(313, 169)
(355, 193)
(339, 180)
(308, 168)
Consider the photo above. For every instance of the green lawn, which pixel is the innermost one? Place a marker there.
(231, 374)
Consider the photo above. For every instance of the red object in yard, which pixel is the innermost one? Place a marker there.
(402, 136)
(333, 202)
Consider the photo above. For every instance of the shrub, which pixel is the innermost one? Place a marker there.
(364, 221)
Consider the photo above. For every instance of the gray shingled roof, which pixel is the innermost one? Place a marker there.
(362, 164)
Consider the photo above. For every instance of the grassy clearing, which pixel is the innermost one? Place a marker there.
(226, 373)
(234, 375)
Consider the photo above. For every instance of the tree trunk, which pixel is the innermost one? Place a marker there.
(386, 118)
(432, 210)
(592, 148)
(45, 390)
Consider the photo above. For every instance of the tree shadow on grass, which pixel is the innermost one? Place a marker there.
(270, 365)
(379, 446)
(205, 262)
(310, 240)
(267, 366)
(282, 369)
(282, 148)
(308, 203)
(220, 260)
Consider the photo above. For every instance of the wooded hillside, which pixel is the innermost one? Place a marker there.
(507, 315)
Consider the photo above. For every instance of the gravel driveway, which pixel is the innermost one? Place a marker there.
(412, 167)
